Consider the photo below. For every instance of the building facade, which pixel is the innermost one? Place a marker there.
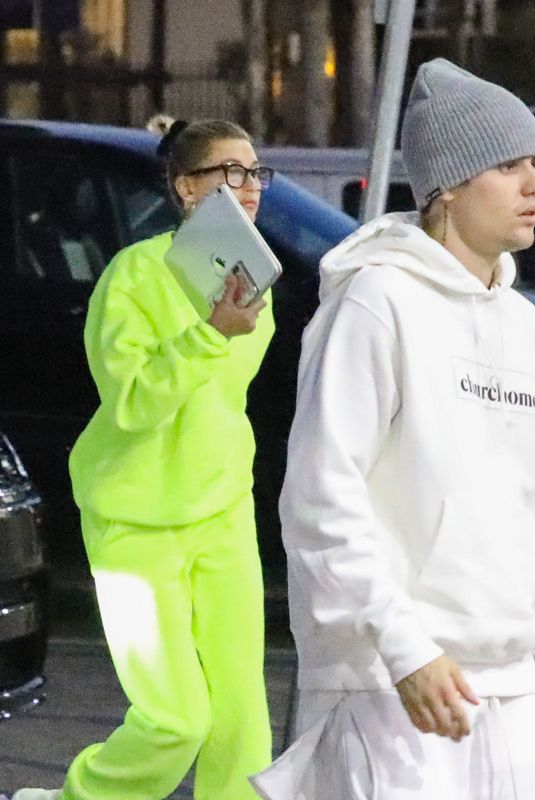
(129, 59)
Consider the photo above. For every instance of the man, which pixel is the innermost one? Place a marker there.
(409, 503)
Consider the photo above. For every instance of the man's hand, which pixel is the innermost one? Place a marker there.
(231, 319)
(432, 698)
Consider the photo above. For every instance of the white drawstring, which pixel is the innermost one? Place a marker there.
(481, 343)
(506, 413)
(503, 762)
(484, 353)
(477, 332)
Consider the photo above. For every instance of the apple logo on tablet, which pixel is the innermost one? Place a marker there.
(218, 264)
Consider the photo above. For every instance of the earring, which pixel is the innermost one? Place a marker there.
(445, 224)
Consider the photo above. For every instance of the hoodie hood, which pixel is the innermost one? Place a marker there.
(398, 240)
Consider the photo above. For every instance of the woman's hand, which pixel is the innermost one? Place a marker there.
(231, 319)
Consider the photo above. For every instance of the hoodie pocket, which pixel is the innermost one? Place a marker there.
(480, 575)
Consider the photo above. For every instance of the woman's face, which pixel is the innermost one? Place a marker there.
(192, 188)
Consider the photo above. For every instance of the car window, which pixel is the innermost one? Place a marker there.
(399, 198)
(300, 223)
(64, 230)
(145, 206)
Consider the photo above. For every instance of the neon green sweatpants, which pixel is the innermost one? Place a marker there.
(182, 609)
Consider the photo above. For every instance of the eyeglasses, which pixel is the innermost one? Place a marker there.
(236, 175)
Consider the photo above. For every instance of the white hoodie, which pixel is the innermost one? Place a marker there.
(408, 507)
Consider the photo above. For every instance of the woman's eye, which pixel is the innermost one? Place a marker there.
(508, 166)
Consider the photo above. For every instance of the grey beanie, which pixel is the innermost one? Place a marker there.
(456, 126)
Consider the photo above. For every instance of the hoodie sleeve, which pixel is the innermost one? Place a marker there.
(347, 400)
(144, 379)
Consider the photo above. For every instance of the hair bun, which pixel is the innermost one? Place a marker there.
(169, 130)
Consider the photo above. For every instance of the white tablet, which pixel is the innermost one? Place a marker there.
(216, 240)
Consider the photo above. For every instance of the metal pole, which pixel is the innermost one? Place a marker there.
(396, 45)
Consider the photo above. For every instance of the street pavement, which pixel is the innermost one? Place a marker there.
(85, 703)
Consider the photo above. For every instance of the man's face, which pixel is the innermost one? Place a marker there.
(495, 212)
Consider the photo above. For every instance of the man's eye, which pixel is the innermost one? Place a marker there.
(508, 166)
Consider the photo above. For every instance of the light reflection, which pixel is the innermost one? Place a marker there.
(128, 612)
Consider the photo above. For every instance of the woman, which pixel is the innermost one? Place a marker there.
(162, 475)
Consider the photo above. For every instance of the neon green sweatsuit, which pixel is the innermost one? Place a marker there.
(163, 477)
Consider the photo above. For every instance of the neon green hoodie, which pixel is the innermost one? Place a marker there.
(170, 443)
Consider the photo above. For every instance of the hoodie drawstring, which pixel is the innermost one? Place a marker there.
(505, 411)
(480, 343)
(477, 331)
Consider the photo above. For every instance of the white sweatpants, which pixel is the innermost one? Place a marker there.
(363, 746)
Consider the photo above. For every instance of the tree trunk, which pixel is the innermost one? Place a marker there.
(51, 87)
(430, 14)
(354, 37)
(315, 39)
(362, 85)
(342, 22)
(255, 38)
(3, 82)
(489, 22)
(462, 26)
(53, 18)
(158, 54)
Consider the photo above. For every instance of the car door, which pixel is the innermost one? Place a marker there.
(64, 234)
(19, 333)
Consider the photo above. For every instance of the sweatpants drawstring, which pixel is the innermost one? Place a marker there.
(500, 745)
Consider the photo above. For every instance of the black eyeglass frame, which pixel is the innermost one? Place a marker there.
(254, 172)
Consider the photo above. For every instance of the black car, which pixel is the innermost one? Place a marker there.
(72, 196)
(23, 588)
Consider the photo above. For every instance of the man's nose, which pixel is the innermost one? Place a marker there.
(529, 177)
